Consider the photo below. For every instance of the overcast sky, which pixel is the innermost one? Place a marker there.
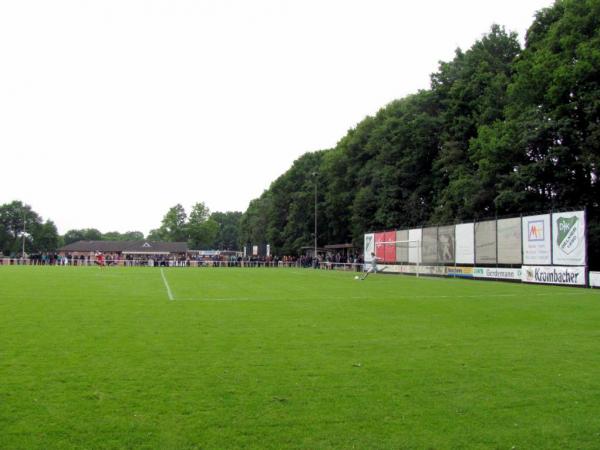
(113, 111)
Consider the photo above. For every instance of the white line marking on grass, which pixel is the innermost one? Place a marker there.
(233, 299)
(405, 297)
(501, 295)
(171, 297)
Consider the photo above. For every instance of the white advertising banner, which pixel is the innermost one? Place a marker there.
(497, 273)
(509, 241)
(369, 247)
(568, 238)
(414, 251)
(388, 268)
(595, 279)
(537, 240)
(485, 242)
(432, 270)
(574, 276)
(396, 268)
(423, 270)
(402, 248)
(465, 243)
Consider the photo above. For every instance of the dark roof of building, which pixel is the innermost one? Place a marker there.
(126, 247)
(339, 246)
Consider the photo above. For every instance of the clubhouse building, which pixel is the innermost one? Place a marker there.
(126, 250)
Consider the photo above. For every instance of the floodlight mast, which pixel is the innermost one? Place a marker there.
(23, 249)
(315, 174)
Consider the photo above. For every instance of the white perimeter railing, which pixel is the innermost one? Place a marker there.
(324, 265)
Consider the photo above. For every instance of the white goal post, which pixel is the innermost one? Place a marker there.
(407, 244)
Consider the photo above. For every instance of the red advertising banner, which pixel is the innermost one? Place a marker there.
(390, 248)
(380, 247)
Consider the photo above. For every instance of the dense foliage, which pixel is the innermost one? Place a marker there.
(502, 130)
(92, 234)
(202, 230)
(21, 226)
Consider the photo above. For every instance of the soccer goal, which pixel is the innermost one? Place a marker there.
(406, 251)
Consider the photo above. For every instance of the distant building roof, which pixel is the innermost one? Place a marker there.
(339, 246)
(140, 247)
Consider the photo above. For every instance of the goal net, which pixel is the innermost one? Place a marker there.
(401, 252)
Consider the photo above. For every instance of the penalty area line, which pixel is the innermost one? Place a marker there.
(169, 293)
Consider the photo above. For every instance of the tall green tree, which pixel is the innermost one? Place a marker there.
(127, 236)
(46, 237)
(472, 92)
(546, 154)
(228, 234)
(173, 227)
(555, 106)
(85, 234)
(201, 229)
(18, 221)
(502, 130)
(254, 221)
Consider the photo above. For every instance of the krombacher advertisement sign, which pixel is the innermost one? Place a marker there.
(574, 276)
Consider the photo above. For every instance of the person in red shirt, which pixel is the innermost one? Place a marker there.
(100, 259)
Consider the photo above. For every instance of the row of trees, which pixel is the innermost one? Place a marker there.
(92, 234)
(19, 225)
(201, 229)
(502, 130)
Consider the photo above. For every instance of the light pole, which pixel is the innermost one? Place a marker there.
(23, 249)
(315, 175)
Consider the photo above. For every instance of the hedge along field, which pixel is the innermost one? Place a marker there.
(285, 358)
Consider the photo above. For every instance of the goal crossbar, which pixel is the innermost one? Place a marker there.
(398, 242)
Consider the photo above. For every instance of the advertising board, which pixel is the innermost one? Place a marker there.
(509, 241)
(429, 245)
(595, 279)
(445, 244)
(536, 240)
(463, 272)
(568, 238)
(485, 242)
(496, 273)
(402, 248)
(369, 247)
(414, 252)
(572, 276)
(465, 243)
(379, 247)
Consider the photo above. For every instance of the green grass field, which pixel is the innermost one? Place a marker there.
(283, 358)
